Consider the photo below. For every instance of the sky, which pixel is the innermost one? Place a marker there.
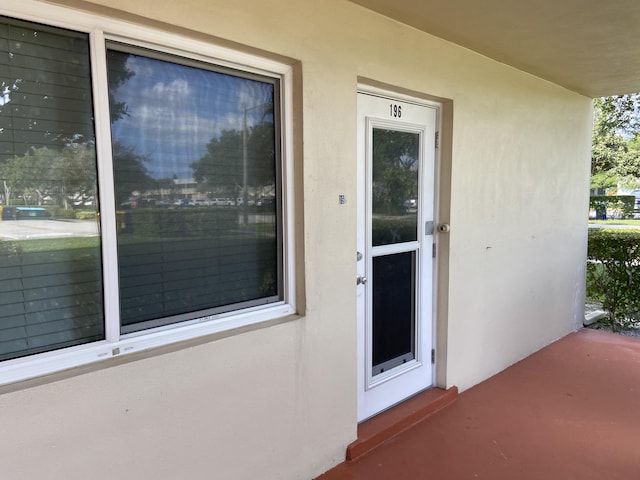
(173, 111)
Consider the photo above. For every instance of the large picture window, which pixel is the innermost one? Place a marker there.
(194, 201)
(194, 153)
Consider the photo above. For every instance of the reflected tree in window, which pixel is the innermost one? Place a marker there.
(238, 160)
(131, 173)
(47, 141)
(394, 187)
(395, 170)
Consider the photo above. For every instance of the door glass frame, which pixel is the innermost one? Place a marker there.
(378, 393)
(372, 380)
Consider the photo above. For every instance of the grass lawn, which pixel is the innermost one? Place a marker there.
(628, 221)
(47, 244)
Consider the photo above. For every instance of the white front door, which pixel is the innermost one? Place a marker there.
(396, 155)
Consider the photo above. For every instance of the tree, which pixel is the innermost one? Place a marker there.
(10, 178)
(75, 172)
(50, 171)
(395, 169)
(615, 154)
(26, 175)
(48, 111)
(223, 166)
(618, 113)
(34, 172)
(130, 173)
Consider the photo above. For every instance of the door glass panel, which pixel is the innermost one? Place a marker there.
(394, 189)
(393, 320)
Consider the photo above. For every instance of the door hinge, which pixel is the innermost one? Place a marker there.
(433, 356)
(437, 139)
(434, 250)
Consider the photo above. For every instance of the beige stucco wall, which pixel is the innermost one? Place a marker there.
(280, 402)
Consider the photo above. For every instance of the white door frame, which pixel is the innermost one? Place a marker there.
(376, 110)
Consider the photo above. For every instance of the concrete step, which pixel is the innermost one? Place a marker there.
(388, 424)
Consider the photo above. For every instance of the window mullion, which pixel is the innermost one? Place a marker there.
(106, 186)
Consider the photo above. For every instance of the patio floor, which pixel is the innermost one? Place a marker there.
(569, 411)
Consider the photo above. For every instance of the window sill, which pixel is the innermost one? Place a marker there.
(96, 353)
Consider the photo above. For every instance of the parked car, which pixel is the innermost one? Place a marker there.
(636, 206)
(410, 205)
(266, 203)
(32, 213)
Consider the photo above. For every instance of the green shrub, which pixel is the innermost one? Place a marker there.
(393, 229)
(179, 222)
(613, 274)
(57, 211)
(621, 204)
(86, 215)
(9, 249)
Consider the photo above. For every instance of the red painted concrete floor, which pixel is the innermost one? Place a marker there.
(570, 411)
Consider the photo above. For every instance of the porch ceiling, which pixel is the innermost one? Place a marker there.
(589, 46)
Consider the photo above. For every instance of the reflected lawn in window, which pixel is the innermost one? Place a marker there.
(177, 261)
(386, 230)
(54, 246)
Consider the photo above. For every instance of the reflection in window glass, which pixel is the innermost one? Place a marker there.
(195, 154)
(394, 189)
(394, 316)
(50, 265)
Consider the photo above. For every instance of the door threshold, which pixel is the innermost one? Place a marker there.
(388, 424)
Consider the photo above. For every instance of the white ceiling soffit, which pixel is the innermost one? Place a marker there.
(588, 46)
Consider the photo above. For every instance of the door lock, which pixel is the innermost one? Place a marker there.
(361, 280)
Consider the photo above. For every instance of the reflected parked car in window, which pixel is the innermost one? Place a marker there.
(410, 205)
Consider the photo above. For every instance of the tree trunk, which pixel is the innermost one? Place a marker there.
(7, 194)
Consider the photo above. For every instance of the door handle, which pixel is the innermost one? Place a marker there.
(361, 280)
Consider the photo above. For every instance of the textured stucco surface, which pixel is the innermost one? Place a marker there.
(280, 402)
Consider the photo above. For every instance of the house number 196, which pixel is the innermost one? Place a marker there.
(395, 110)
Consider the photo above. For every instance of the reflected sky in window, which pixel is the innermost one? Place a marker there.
(168, 112)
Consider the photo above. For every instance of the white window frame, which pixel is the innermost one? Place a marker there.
(101, 29)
